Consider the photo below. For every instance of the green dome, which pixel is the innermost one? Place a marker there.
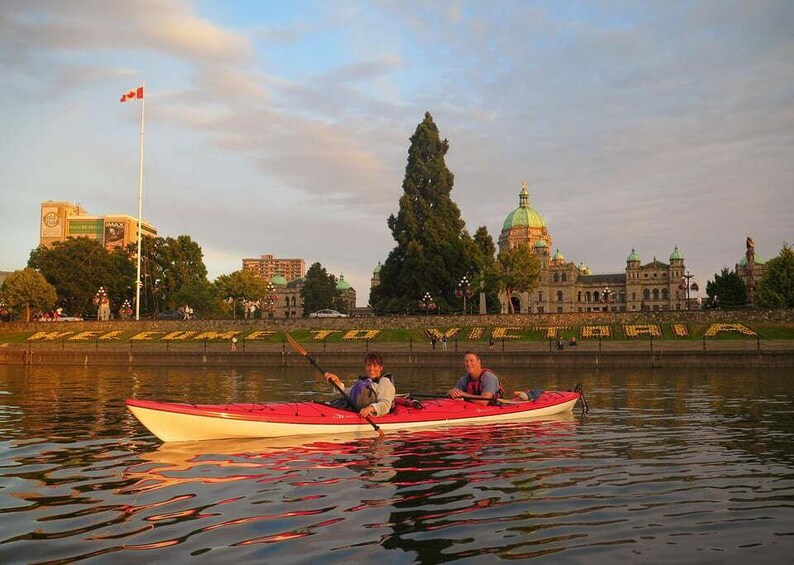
(279, 280)
(377, 269)
(758, 260)
(523, 216)
(541, 243)
(633, 257)
(342, 284)
(676, 255)
(584, 269)
(558, 256)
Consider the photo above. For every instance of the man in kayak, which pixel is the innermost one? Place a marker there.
(372, 395)
(477, 381)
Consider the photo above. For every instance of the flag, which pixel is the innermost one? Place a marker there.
(133, 94)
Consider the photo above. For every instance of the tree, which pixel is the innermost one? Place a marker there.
(485, 279)
(776, 287)
(517, 270)
(77, 268)
(28, 289)
(728, 290)
(433, 249)
(169, 265)
(319, 290)
(240, 286)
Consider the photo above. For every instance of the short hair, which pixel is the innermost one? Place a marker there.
(477, 355)
(373, 357)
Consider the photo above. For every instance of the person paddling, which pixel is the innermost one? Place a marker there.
(477, 381)
(372, 395)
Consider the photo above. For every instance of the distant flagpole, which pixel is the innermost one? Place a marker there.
(140, 212)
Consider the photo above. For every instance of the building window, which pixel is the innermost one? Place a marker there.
(587, 297)
(664, 294)
(656, 294)
(556, 279)
(579, 297)
(559, 309)
(540, 296)
(646, 294)
(563, 277)
(559, 296)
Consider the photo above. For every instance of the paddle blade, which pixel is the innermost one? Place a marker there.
(295, 345)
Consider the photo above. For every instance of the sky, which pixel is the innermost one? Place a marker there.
(283, 127)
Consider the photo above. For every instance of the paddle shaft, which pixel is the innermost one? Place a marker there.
(473, 397)
(336, 386)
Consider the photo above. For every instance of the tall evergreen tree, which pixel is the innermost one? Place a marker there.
(433, 249)
(727, 290)
(319, 291)
(776, 287)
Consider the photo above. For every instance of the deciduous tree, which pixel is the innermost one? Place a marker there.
(27, 289)
(517, 270)
(240, 286)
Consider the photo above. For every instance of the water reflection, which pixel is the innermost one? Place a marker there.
(668, 466)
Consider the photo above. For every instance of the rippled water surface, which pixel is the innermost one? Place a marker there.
(669, 466)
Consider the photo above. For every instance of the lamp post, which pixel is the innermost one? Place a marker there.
(686, 286)
(102, 303)
(126, 310)
(464, 291)
(608, 297)
(426, 304)
(270, 300)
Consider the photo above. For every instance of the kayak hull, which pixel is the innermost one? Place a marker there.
(174, 422)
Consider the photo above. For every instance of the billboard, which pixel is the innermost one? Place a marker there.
(91, 228)
(51, 225)
(114, 233)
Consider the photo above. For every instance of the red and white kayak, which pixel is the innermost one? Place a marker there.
(171, 421)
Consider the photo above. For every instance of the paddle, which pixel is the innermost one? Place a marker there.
(491, 398)
(296, 346)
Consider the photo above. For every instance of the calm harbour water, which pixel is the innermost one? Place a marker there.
(676, 466)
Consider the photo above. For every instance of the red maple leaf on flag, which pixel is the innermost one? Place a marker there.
(133, 94)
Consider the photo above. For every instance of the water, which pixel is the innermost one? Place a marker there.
(669, 466)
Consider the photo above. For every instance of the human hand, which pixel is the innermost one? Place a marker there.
(455, 393)
(331, 378)
(367, 411)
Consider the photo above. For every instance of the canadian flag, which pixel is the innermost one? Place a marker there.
(132, 94)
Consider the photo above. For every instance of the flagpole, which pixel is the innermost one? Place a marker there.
(140, 212)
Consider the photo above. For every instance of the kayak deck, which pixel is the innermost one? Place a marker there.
(188, 422)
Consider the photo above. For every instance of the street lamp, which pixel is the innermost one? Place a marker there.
(426, 304)
(102, 303)
(270, 300)
(686, 286)
(608, 297)
(464, 291)
(125, 310)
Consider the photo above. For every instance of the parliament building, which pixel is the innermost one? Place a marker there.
(565, 286)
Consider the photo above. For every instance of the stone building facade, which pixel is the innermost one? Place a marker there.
(567, 287)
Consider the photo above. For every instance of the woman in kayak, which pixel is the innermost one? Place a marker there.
(372, 395)
(477, 382)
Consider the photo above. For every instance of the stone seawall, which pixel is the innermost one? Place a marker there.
(782, 359)
(747, 316)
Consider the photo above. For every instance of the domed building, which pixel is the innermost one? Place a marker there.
(347, 294)
(565, 287)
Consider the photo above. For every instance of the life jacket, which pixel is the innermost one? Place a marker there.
(474, 386)
(362, 394)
